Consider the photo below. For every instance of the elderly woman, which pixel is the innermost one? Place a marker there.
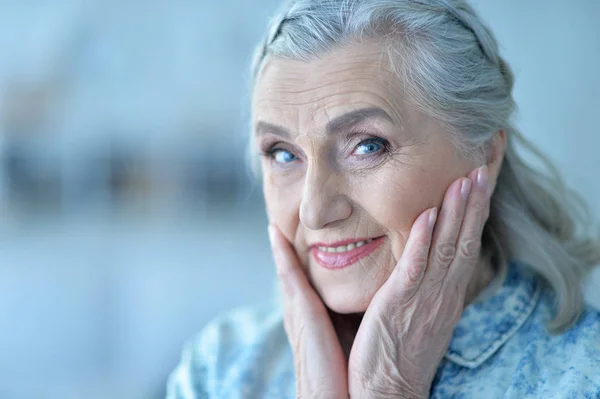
(419, 255)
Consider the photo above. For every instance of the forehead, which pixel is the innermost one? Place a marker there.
(354, 76)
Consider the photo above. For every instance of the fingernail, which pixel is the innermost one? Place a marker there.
(482, 177)
(432, 216)
(465, 188)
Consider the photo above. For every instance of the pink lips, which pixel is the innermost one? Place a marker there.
(340, 260)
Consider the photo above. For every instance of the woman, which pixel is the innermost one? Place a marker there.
(419, 255)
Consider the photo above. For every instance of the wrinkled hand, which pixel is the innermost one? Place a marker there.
(320, 364)
(407, 328)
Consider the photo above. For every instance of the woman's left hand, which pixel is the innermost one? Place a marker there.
(407, 328)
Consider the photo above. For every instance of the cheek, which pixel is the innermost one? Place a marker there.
(396, 198)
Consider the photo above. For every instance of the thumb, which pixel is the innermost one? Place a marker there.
(321, 370)
(288, 266)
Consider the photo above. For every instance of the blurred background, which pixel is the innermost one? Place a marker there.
(128, 218)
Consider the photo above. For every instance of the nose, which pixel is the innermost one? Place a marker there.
(323, 199)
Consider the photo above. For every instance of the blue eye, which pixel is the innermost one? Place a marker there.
(370, 146)
(283, 156)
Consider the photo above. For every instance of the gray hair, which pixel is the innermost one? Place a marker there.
(452, 70)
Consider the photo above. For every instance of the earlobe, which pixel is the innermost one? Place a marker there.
(497, 148)
(496, 157)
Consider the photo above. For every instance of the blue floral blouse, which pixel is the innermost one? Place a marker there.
(500, 349)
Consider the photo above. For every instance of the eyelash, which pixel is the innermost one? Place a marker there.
(385, 144)
(272, 150)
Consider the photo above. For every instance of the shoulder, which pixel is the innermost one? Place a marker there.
(568, 362)
(239, 328)
(585, 329)
(506, 349)
(230, 353)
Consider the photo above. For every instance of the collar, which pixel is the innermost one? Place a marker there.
(487, 324)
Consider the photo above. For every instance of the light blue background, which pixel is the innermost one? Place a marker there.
(98, 306)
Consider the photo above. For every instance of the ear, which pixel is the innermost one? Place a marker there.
(496, 157)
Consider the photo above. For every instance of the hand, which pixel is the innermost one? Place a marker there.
(408, 325)
(320, 364)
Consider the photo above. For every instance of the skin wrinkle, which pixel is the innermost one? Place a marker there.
(384, 75)
(326, 196)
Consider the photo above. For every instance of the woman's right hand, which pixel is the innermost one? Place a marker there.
(320, 364)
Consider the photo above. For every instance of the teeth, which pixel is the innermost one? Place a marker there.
(344, 248)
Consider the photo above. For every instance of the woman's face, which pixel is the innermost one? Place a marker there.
(347, 160)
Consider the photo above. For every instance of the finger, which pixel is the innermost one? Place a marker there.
(447, 229)
(315, 346)
(301, 303)
(289, 270)
(409, 272)
(469, 240)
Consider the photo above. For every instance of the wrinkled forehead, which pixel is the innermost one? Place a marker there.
(354, 76)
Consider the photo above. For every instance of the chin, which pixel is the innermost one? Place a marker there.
(342, 299)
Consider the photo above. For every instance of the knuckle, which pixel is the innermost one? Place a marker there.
(414, 271)
(479, 207)
(455, 216)
(419, 252)
(469, 248)
(444, 253)
(420, 259)
(422, 243)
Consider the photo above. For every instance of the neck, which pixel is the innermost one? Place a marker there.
(483, 275)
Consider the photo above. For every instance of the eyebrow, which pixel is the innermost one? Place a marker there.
(342, 122)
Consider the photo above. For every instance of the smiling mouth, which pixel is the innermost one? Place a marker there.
(344, 254)
(345, 248)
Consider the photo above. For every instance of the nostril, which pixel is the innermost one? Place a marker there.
(318, 213)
